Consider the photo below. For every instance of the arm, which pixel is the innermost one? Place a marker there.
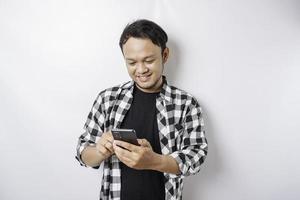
(88, 151)
(166, 164)
(193, 150)
(93, 155)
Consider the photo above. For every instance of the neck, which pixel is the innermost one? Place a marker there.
(156, 88)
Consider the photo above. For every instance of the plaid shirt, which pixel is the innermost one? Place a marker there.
(180, 125)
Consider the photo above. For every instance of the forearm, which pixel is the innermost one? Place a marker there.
(91, 157)
(166, 164)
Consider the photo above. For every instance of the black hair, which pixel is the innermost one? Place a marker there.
(144, 29)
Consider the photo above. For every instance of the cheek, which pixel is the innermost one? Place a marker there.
(156, 67)
(130, 70)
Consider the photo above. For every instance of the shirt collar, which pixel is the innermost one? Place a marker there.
(165, 92)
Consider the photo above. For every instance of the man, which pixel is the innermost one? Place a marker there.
(167, 120)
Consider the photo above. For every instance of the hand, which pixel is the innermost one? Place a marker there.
(104, 145)
(137, 157)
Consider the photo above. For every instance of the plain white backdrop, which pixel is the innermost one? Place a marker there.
(241, 59)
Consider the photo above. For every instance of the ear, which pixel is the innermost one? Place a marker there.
(165, 55)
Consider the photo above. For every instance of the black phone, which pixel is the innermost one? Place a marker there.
(126, 135)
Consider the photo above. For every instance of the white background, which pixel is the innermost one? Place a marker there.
(240, 59)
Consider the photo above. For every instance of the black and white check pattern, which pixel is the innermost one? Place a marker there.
(181, 133)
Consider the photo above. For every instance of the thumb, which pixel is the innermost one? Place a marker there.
(144, 143)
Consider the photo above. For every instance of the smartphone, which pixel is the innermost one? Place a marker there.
(126, 135)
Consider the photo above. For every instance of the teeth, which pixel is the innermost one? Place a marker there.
(143, 76)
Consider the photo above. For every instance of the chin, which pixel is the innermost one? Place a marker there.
(145, 85)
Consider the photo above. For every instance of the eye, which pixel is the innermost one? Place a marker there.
(149, 61)
(131, 63)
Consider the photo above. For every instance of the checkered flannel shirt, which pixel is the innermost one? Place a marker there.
(181, 133)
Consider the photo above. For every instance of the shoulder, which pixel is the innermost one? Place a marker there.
(180, 96)
(110, 94)
(187, 104)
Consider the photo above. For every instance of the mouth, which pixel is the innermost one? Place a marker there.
(143, 78)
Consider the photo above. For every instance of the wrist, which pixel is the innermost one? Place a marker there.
(165, 164)
(158, 162)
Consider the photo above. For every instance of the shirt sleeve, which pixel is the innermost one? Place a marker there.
(93, 128)
(193, 148)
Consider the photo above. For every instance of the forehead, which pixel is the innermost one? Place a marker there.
(139, 48)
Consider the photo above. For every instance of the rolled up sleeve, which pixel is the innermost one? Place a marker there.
(93, 128)
(193, 147)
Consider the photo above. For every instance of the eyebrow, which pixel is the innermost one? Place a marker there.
(150, 56)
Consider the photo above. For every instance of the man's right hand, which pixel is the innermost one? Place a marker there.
(104, 145)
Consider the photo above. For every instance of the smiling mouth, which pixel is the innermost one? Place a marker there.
(144, 78)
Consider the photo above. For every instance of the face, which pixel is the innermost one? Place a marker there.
(145, 63)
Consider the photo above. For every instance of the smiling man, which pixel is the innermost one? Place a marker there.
(168, 122)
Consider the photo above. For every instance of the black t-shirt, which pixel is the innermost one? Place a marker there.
(142, 184)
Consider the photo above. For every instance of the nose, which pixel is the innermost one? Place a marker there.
(141, 68)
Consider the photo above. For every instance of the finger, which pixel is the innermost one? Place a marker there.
(144, 143)
(103, 150)
(123, 159)
(104, 139)
(126, 145)
(106, 144)
(122, 152)
(109, 146)
(147, 143)
(107, 138)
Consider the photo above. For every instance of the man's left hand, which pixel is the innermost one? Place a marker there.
(137, 157)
